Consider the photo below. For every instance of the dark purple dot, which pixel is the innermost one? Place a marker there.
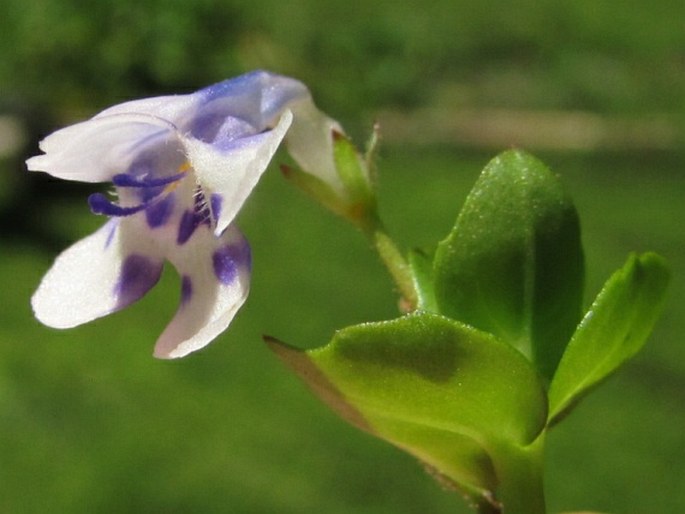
(227, 259)
(216, 201)
(159, 212)
(138, 275)
(186, 289)
(189, 222)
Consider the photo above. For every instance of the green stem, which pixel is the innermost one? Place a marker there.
(396, 265)
(519, 472)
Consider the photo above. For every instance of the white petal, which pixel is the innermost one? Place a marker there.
(231, 169)
(310, 142)
(98, 275)
(215, 278)
(97, 149)
(174, 108)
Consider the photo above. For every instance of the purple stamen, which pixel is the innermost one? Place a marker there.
(126, 180)
(99, 204)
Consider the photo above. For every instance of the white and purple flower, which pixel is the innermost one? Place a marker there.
(182, 167)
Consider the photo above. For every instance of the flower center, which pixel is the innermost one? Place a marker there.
(152, 190)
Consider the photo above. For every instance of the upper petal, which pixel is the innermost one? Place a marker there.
(98, 275)
(97, 149)
(229, 168)
(174, 108)
(215, 281)
(259, 98)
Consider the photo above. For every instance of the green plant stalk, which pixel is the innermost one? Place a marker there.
(519, 471)
(396, 265)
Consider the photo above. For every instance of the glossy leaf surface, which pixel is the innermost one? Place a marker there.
(613, 330)
(444, 392)
(513, 263)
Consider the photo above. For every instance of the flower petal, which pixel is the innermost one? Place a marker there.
(174, 108)
(215, 280)
(310, 142)
(97, 149)
(229, 169)
(259, 98)
(98, 275)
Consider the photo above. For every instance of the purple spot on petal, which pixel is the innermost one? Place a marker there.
(227, 259)
(225, 267)
(138, 275)
(215, 202)
(186, 289)
(189, 222)
(158, 213)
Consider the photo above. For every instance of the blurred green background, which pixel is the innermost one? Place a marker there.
(89, 422)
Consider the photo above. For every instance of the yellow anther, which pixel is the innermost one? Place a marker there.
(183, 168)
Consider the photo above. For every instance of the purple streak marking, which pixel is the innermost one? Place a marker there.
(158, 213)
(113, 225)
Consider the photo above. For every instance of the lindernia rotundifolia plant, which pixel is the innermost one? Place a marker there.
(493, 347)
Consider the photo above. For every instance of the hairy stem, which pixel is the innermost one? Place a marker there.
(396, 265)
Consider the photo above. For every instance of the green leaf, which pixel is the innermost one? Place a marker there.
(449, 394)
(351, 170)
(513, 264)
(613, 330)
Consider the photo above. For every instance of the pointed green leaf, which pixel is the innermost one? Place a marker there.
(513, 263)
(444, 392)
(613, 330)
(351, 170)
